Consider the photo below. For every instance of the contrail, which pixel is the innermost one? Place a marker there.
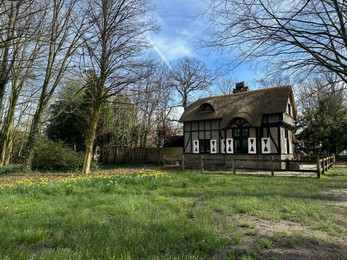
(162, 56)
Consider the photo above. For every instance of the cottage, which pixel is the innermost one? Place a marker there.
(246, 124)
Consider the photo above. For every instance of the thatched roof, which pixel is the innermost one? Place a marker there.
(251, 106)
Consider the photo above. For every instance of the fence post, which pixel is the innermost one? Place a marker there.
(183, 167)
(234, 170)
(272, 166)
(318, 167)
(326, 163)
(164, 157)
(330, 161)
(202, 163)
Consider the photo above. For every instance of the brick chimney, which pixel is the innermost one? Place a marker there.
(240, 87)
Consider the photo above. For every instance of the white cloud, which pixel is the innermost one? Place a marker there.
(182, 24)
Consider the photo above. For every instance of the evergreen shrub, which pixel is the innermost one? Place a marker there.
(51, 155)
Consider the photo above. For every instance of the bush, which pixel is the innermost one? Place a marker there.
(50, 155)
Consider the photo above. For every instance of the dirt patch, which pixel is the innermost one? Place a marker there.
(295, 241)
(38, 248)
(340, 193)
(268, 239)
(339, 196)
(328, 251)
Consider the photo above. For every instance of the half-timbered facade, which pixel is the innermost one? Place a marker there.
(256, 124)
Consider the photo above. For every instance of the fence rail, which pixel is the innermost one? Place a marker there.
(318, 165)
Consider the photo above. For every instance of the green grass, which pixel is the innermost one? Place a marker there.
(154, 216)
(337, 171)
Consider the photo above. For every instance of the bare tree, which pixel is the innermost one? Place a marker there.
(15, 17)
(153, 103)
(18, 52)
(112, 53)
(190, 75)
(61, 38)
(325, 85)
(299, 35)
(25, 58)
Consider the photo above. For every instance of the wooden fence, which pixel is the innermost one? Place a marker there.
(341, 160)
(318, 165)
(137, 155)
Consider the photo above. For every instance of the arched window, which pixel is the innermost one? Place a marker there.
(206, 108)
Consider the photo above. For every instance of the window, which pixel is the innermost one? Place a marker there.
(240, 136)
(289, 109)
(241, 132)
(206, 108)
(241, 139)
(287, 144)
(205, 145)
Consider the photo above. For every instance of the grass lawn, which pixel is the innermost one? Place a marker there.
(149, 214)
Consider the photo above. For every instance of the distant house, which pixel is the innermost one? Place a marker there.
(245, 124)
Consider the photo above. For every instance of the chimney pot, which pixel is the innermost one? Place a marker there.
(240, 87)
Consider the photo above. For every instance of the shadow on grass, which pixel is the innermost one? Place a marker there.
(260, 187)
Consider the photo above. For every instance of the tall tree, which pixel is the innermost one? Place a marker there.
(24, 53)
(20, 78)
(190, 75)
(64, 28)
(300, 35)
(115, 42)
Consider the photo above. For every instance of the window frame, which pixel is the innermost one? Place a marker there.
(240, 135)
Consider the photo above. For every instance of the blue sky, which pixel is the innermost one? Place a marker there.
(181, 25)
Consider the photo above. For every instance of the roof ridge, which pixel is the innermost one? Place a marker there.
(250, 91)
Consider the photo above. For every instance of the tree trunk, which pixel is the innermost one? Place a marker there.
(6, 65)
(2, 94)
(3, 79)
(6, 142)
(7, 158)
(7, 133)
(185, 101)
(88, 154)
(34, 130)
